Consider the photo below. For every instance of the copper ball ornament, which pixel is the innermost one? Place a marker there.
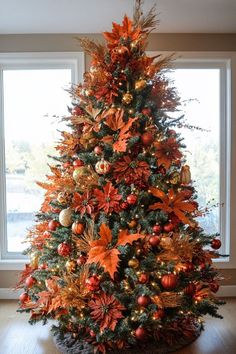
(133, 263)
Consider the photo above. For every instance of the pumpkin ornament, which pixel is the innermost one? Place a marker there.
(102, 167)
(169, 281)
(77, 228)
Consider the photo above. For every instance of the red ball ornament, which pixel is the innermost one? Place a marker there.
(172, 132)
(143, 300)
(53, 225)
(216, 244)
(214, 287)
(202, 266)
(66, 164)
(156, 229)
(63, 249)
(169, 227)
(147, 138)
(132, 199)
(24, 297)
(143, 278)
(188, 267)
(169, 281)
(78, 163)
(30, 281)
(98, 150)
(159, 314)
(77, 111)
(43, 266)
(141, 333)
(154, 241)
(92, 333)
(190, 289)
(146, 111)
(81, 260)
(93, 283)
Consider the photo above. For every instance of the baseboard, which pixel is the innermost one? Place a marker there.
(10, 294)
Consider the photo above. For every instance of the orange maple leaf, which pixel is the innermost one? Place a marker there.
(114, 119)
(174, 202)
(102, 253)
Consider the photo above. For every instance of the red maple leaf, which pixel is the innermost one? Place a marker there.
(108, 199)
(101, 251)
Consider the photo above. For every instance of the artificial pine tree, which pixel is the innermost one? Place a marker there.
(117, 255)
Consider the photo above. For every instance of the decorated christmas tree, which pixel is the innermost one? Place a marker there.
(117, 255)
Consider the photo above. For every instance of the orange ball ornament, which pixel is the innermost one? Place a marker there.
(169, 281)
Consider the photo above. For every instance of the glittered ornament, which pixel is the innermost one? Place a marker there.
(133, 263)
(132, 199)
(24, 297)
(147, 138)
(216, 244)
(169, 281)
(93, 283)
(143, 300)
(30, 281)
(174, 177)
(158, 315)
(65, 217)
(62, 198)
(127, 98)
(154, 240)
(64, 249)
(156, 229)
(102, 167)
(141, 333)
(53, 225)
(77, 228)
(185, 175)
(70, 266)
(81, 172)
(143, 278)
(78, 163)
(140, 84)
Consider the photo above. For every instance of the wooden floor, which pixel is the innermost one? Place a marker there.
(18, 337)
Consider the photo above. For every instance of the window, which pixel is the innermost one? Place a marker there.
(203, 85)
(33, 92)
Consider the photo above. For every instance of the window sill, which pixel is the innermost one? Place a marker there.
(12, 264)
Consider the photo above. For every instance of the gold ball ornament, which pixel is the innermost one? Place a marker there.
(133, 263)
(81, 172)
(102, 167)
(175, 177)
(140, 84)
(70, 266)
(132, 224)
(127, 98)
(65, 217)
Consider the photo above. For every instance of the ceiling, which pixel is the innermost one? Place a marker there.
(95, 16)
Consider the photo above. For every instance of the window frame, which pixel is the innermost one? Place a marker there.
(226, 63)
(35, 60)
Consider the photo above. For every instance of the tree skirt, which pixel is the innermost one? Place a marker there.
(69, 345)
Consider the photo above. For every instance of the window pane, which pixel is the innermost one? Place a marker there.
(29, 97)
(202, 88)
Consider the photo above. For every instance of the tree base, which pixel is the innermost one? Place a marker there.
(69, 345)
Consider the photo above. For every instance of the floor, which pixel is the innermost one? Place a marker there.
(18, 337)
